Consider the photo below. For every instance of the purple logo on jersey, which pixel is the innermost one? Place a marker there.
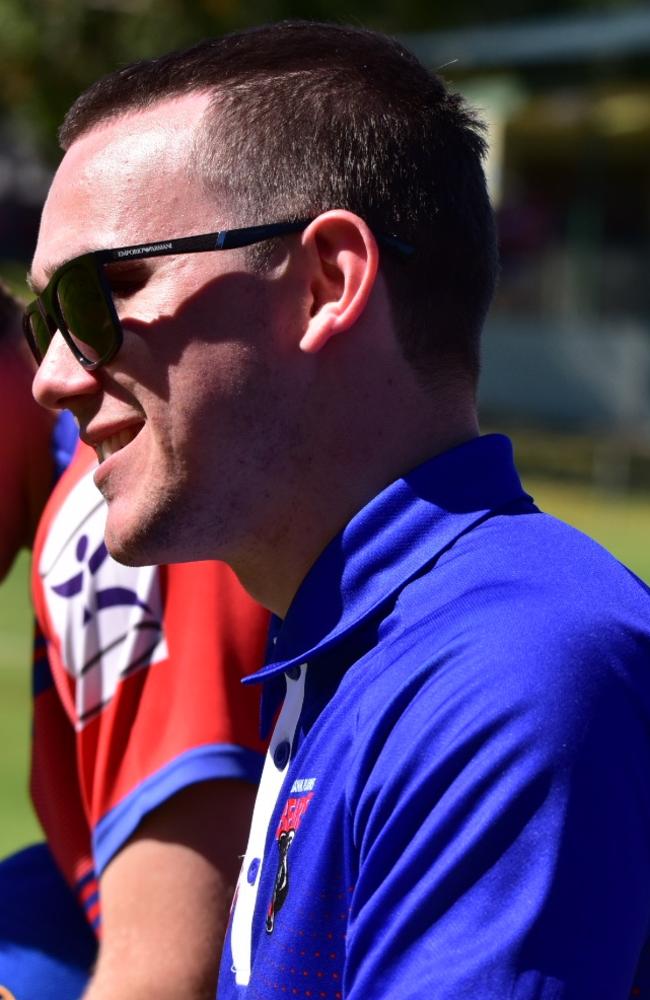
(109, 597)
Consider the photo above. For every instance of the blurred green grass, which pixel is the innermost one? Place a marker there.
(19, 825)
(620, 522)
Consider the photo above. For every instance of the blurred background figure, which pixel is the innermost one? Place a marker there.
(145, 748)
(26, 463)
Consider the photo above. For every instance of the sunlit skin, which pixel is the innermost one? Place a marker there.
(248, 415)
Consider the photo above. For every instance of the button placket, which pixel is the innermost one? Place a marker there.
(281, 750)
(277, 762)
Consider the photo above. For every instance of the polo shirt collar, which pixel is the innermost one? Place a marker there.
(390, 541)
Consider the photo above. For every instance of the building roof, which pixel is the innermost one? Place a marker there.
(580, 37)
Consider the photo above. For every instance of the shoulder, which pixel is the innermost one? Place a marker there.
(532, 589)
(524, 628)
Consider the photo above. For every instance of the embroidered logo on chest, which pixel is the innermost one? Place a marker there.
(295, 807)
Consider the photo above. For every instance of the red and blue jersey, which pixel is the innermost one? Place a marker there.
(137, 688)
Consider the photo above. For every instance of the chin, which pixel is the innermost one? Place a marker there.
(128, 554)
(147, 541)
(169, 528)
(129, 544)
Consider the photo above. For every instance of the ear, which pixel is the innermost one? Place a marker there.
(344, 259)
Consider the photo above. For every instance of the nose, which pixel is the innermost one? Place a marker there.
(60, 380)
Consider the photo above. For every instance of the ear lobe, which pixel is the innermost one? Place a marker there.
(345, 260)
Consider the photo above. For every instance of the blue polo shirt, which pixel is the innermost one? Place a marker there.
(456, 799)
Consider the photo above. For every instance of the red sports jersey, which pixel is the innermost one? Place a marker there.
(137, 688)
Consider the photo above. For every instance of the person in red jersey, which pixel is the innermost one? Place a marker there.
(143, 693)
(46, 945)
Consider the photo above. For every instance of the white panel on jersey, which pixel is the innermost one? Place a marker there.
(108, 617)
(267, 796)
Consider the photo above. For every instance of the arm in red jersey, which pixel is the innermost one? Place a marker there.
(166, 896)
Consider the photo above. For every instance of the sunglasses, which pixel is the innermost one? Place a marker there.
(78, 300)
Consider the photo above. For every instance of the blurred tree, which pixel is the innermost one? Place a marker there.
(50, 50)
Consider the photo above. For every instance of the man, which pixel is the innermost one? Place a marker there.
(144, 783)
(454, 802)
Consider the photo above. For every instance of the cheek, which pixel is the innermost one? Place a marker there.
(211, 414)
(216, 376)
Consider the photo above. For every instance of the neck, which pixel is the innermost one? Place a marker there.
(273, 568)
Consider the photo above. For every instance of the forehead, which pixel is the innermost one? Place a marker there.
(126, 181)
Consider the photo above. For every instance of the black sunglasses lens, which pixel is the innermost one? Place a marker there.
(38, 334)
(88, 319)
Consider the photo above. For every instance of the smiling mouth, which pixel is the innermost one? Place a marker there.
(115, 442)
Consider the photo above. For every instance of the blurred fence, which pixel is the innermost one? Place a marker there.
(568, 375)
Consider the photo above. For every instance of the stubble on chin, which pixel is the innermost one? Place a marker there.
(132, 536)
(124, 551)
(152, 532)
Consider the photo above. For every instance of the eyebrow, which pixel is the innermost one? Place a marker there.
(49, 270)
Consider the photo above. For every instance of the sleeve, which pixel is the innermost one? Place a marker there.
(65, 437)
(186, 717)
(502, 821)
(54, 787)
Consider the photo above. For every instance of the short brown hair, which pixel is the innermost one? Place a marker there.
(307, 117)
